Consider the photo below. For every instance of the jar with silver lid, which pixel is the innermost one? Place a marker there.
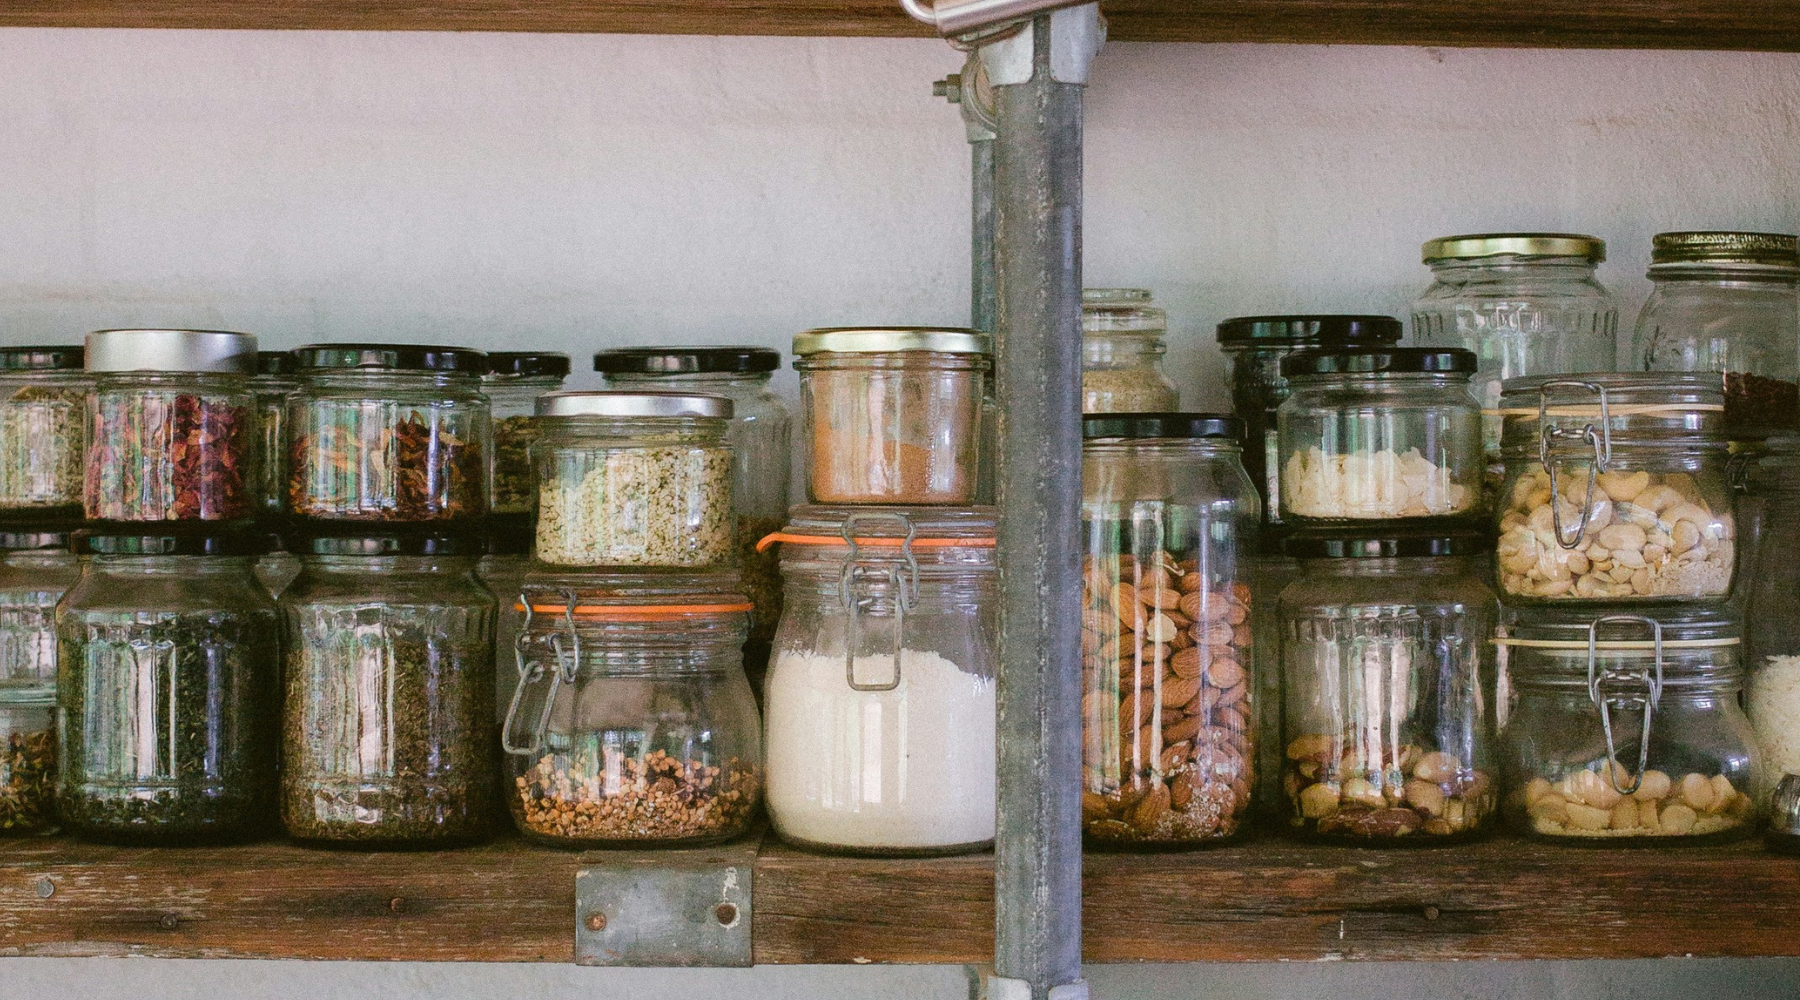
(1122, 347)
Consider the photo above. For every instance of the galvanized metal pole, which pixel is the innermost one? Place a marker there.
(969, 90)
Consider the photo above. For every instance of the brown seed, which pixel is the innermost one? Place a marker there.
(1240, 637)
(1176, 693)
(1180, 794)
(1183, 640)
(1185, 728)
(1224, 672)
(1232, 695)
(1094, 808)
(1125, 605)
(1174, 756)
(1232, 718)
(1162, 599)
(1187, 662)
(1190, 582)
(1090, 641)
(1151, 808)
(1138, 709)
(1217, 634)
(1236, 614)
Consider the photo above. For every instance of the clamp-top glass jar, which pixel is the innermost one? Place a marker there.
(1637, 467)
(43, 400)
(1169, 525)
(36, 569)
(1388, 674)
(893, 416)
(170, 426)
(1122, 348)
(634, 479)
(1726, 302)
(514, 381)
(1625, 729)
(1379, 434)
(1525, 303)
(880, 699)
(388, 432)
(631, 722)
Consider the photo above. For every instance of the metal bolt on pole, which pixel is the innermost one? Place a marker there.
(970, 91)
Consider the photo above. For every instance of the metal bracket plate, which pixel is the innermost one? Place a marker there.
(665, 908)
(1076, 37)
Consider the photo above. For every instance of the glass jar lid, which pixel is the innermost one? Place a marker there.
(507, 535)
(276, 363)
(1379, 361)
(601, 597)
(396, 542)
(1295, 331)
(201, 351)
(209, 542)
(612, 403)
(27, 539)
(910, 537)
(34, 696)
(1480, 245)
(686, 360)
(528, 364)
(1396, 545)
(61, 357)
(1599, 408)
(891, 340)
(392, 357)
(1770, 249)
(1144, 426)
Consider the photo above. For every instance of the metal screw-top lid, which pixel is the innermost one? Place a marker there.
(1320, 329)
(528, 364)
(42, 358)
(207, 541)
(1771, 249)
(276, 363)
(1478, 245)
(1142, 426)
(368, 540)
(1379, 361)
(686, 360)
(591, 403)
(397, 357)
(887, 340)
(1365, 544)
(217, 351)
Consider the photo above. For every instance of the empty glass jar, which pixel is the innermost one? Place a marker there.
(1122, 348)
(36, 569)
(43, 400)
(514, 381)
(274, 381)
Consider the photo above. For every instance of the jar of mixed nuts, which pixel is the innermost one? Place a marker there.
(36, 569)
(27, 761)
(1625, 728)
(1122, 350)
(1637, 467)
(631, 722)
(388, 718)
(388, 432)
(1389, 680)
(167, 705)
(512, 385)
(43, 400)
(893, 416)
(1169, 524)
(276, 378)
(1379, 434)
(634, 479)
(170, 426)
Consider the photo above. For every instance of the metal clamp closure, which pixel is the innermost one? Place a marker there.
(1652, 684)
(901, 575)
(1600, 440)
(568, 661)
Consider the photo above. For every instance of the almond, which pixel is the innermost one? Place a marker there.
(1150, 809)
(1177, 692)
(1236, 614)
(1224, 672)
(1173, 757)
(1232, 695)
(1094, 808)
(1240, 637)
(1161, 599)
(1217, 634)
(1187, 662)
(1138, 709)
(1184, 729)
(1190, 583)
(1180, 794)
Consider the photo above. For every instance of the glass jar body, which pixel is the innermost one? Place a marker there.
(170, 446)
(387, 722)
(1379, 447)
(270, 393)
(27, 764)
(388, 446)
(167, 700)
(1168, 734)
(32, 581)
(896, 428)
(652, 491)
(513, 399)
(1772, 619)
(1741, 320)
(1387, 720)
(1122, 372)
(504, 576)
(41, 416)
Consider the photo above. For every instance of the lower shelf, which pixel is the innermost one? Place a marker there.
(1264, 901)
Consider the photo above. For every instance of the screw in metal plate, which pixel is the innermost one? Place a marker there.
(726, 914)
(596, 922)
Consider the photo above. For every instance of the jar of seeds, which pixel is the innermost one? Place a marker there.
(514, 381)
(43, 399)
(27, 762)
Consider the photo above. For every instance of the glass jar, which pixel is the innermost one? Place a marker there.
(27, 762)
(388, 717)
(274, 381)
(880, 700)
(1644, 509)
(170, 431)
(1121, 353)
(1625, 729)
(167, 697)
(1379, 435)
(892, 416)
(512, 385)
(1772, 618)
(36, 568)
(1726, 303)
(1169, 524)
(1525, 303)
(631, 723)
(634, 479)
(1273, 572)
(505, 561)
(759, 436)
(43, 400)
(388, 432)
(1255, 345)
(1387, 669)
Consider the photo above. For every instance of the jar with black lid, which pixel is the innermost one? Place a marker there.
(36, 569)
(505, 562)
(277, 376)
(514, 381)
(43, 401)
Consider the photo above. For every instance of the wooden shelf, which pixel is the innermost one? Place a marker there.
(1265, 901)
(1679, 24)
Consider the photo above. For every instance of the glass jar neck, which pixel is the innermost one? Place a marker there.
(47, 559)
(1122, 348)
(365, 380)
(893, 361)
(184, 566)
(219, 382)
(1512, 267)
(389, 565)
(720, 383)
(1722, 275)
(1199, 448)
(1381, 381)
(680, 430)
(1394, 566)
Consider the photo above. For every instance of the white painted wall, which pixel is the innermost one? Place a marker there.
(576, 192)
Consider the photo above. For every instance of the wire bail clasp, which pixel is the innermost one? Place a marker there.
(1600, 440)
(901, 577)
(1652, 683)
(567, 663)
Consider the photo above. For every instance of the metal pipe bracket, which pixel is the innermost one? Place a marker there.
(666, 908)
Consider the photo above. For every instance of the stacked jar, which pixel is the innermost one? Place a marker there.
(388, 709)
(880, 696)
(1122, 347)
(275, 379)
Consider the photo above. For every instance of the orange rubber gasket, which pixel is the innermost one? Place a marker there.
(889, 542)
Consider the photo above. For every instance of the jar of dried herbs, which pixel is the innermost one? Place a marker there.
(388, 432)
(43, 398)
(167, 659)
(634, 479)
(388, 716)
(36, 568)
(759, 437)
(506, 558)
(631, 723)
(27, 762)
(170, 426)
(276, 378)
(514, 381)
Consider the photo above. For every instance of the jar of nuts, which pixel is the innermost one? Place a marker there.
(1387, 673)
(1626, 729)
(1637, 466)
(1169, 521)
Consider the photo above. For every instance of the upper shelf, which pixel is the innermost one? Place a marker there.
(1675, 24)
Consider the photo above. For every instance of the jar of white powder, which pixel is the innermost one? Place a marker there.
(1772, 615)
(880, 698)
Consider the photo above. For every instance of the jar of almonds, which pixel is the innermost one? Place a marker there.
(1169, 520)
